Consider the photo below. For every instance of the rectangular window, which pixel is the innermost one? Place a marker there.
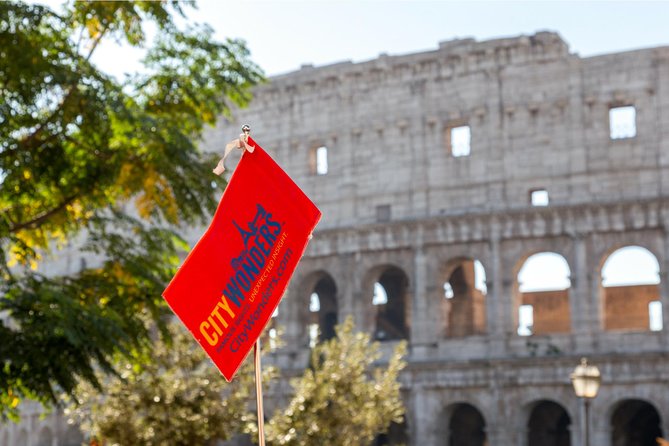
(460, 141)
(321, 160)
(318, 160)
(655, 315)
(622, 122)
(525, 320)
(539, 197)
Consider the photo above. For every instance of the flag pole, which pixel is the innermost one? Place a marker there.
(261, 415)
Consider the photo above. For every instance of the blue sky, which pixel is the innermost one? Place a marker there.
(282, 35)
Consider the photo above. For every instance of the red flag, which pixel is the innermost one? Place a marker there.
(232, 281)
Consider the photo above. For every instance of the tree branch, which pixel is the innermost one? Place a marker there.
(43, 217)
(27, 141)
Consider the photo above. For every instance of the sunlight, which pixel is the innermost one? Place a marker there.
(546, 271)
(631, 265)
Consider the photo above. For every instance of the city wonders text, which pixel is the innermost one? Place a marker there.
(262, 242)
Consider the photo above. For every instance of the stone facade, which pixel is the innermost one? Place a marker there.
(39, 429)
(397, 202)
(401, 210)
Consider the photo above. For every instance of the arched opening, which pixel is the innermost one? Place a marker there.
(630, 290)
(466, 426)
(396, 435)
(463, 302)
(542, 300)
(322, 310)
(45, 437)
(390, 303)
(548, 425)
(635, 423)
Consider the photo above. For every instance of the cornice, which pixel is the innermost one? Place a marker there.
(451, 59)
(571, 221)
(615, 368)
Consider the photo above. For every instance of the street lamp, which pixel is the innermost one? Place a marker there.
(586, 379)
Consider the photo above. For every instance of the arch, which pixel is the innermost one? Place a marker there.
(320, 308)
(397, 435)
(541, 295)
(45, 437)
(629, 290)
(548, 425)
(390, 301)
(635, 422)
(463, 303)
(466, 426)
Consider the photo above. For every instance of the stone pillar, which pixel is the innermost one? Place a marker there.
(521, 434)
(286, 358)
(425, 418)
(289, 317)
(600, 435)
(498, 435)
(507, 319)
(418, 433)
(361, 298)
(494, 284)
(421, 321)
(498, 299)
(346, 286)
(583, 303)
(663, 288)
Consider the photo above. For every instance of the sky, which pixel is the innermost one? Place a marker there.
(283, 35)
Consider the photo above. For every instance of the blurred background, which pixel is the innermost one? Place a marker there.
(492, 177)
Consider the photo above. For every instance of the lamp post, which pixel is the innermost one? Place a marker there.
(586, 379)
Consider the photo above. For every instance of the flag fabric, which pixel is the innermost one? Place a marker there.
(233, 279)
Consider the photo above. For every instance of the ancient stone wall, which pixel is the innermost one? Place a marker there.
(399, 195)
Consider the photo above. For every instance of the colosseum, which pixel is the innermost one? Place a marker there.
(453, 184)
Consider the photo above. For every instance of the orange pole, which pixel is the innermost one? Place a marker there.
(261, 411)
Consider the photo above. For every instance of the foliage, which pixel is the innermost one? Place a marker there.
(176, 398)
(117, 162)
(343, 399)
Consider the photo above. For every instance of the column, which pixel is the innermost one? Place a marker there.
(421, 319)
(584, 307)
(497, 310)
(664, 277)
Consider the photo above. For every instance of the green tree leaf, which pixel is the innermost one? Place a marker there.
(345, 398)
(107, 168)
(174, 397)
